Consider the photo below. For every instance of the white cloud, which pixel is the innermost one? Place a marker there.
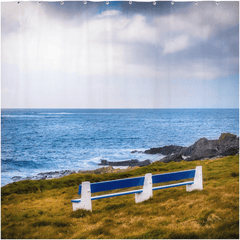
(103, 45)
(138, 31)
(176, 44)
(194, 25)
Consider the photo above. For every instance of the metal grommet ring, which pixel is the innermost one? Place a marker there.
(85, 2)
(172, 3)
(154, 3)
(107, 3)
(130, 2)
(18, 2)
(217, 3)
(196, 3)
(61, 3)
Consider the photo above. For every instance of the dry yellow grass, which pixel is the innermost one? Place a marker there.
(171, 213)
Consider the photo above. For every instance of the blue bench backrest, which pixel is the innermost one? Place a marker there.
(167, 177)
(115, 184)
(138, 181)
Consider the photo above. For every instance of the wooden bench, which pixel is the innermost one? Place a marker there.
(141, 195)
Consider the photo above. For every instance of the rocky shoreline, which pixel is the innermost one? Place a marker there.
(130, 163)
(227, 144)
(63, 173)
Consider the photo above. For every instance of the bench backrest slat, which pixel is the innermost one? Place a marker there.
(167, 177)
(115, 184)
(138, 181)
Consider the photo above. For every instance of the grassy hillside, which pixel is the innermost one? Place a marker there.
(42, 209)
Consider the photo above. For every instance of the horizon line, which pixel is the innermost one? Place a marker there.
(118, 108)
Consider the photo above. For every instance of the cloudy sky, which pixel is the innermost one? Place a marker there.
(120, 55)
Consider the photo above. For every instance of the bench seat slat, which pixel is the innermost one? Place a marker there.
(175, 176)
(110, 195)
(173, 185)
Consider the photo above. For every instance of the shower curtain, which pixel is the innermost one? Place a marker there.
(119, 54)
(100, 91)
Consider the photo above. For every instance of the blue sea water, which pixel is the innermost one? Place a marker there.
(43, 140)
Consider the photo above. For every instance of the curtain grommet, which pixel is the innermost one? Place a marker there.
(196, 3)
(107, 3)
(61, 3)
(154, 3)
(130, 2)
(172, 3)
(85, 2)
(217, 3)
(18, 2)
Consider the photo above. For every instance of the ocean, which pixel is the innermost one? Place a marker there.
(43, 140)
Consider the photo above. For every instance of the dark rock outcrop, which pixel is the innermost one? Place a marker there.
(227, 144)
(173, 157)
(230, 151)
(136, 151)
(166, 150)
(130, 163)
(16, 178)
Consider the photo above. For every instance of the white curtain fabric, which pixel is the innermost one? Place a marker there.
(120, 54)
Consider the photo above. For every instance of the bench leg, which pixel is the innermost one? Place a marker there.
(86, 202)
(198, 181)
(147, 189)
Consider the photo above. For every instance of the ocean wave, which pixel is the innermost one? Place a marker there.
(20, 116)
(63, 113)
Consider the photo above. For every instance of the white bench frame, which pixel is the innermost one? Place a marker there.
(140, 195)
